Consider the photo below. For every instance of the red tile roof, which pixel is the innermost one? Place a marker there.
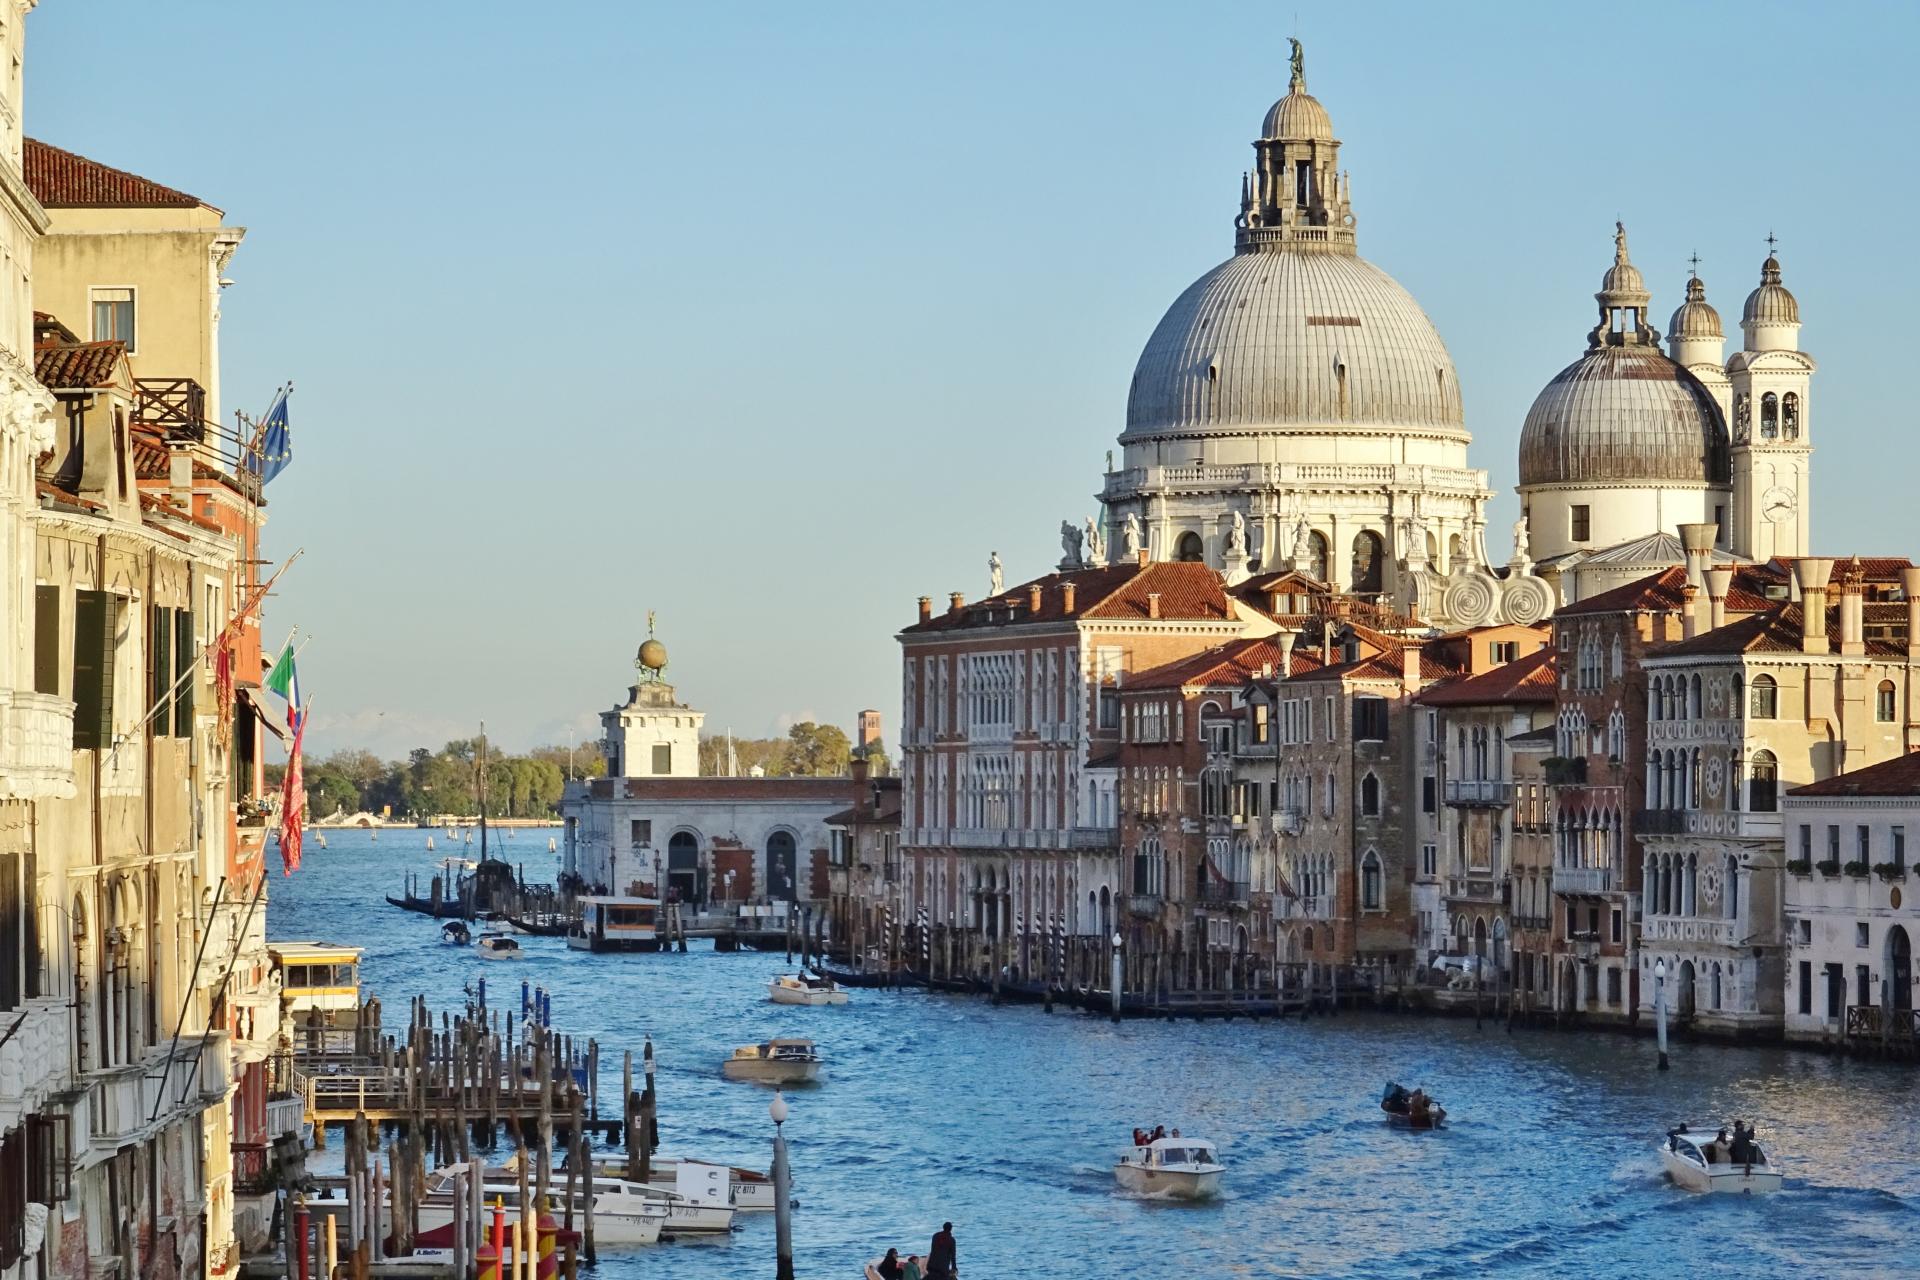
(1223, 666)
(62, 180)
(1899, 776)
(1531, 679)
(1188, 593)
(78, 366)
(1665, 591)
(1778, 631)
(1387, 665)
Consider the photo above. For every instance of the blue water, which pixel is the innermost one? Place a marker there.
(1006, 1121)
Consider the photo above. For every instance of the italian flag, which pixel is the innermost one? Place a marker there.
(284, 680)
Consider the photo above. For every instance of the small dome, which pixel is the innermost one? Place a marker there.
(1298, 117)
(1622, 286)
(653, 655)
(1771, 303)
(1694, 318)
(1624, 414)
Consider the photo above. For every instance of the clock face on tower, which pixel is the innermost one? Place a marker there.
(1777, 504)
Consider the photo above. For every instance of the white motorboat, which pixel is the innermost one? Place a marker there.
(1171, 1169)
(1698, 1162)
(749, 1190)
(618, 1218)
(497, 947)
(792, 1061)
(803, 988)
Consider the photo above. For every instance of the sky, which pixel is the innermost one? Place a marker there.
(770, 318)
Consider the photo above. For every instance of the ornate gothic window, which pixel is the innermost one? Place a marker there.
(1765, 702)
(1372, 890)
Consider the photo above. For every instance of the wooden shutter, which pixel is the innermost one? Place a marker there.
(183, 672)
(159, 668)
(46, 640)
(91, 655)
(10, 931)
(30, 920)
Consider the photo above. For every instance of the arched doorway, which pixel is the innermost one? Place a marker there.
(1106, 913)
(1899, 967)
(1480, 937)
(783, 867)
(1369, 564)
(1683, 991)
(683, 867)
(1190, 548)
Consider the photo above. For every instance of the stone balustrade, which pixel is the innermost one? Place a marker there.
(36, 746)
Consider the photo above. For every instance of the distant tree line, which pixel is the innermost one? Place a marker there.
(808, 751)
(443, 783)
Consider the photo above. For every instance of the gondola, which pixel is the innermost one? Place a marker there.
(1398, 1103)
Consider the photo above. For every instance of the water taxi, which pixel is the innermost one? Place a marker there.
(320, 985)
(791, 1061)
(616, 924)
(619, 1217)
(802, 988)
(1171, 1169)
(496, 946)
(1698, 1162)
(748, 1190)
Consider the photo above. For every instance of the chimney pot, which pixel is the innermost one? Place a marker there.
(1910, 587)
(1153, 604)
(1410, 666)
(1033, 598)
(1719, 582)
(1141, 559)
(1853, 637)
(955, 601)
(926, 608)
(1066, 596)
(1811, 574)
(1288, 637)
(1689, 611)
(1697, 540)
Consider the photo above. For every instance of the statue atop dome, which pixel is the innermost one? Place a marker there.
(1299, 60)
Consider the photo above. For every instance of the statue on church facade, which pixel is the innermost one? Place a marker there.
(1096, 545)
(1130, 536)
(1237, 536)
(1070, 544)
(996, 580)
(1302, 544)
(1520, 539)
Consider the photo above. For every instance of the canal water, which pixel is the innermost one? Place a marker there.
(1006, 1121)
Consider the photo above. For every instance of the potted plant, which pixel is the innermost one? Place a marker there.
(1857, 868)
(1800, 866)
(1828, 866)
(1890, 871)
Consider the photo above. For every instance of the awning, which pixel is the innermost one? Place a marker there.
(271, 719)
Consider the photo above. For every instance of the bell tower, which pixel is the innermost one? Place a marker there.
(1772, 445)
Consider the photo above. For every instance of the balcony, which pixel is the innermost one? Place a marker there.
(1479, 793)
(36, 746)
(1288, 822)
(178, 406)
(1224, 893)
(1740, 825)
(1093, 838)
(1582, 881)
(125, 1103)
(1144, 906)
(33, 1061)
(1480, 889)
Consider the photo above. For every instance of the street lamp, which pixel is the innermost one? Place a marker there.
(782, 1192)
(1660, 1008)
(1115, 978)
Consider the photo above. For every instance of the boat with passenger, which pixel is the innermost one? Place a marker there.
(805, 989)
(1412, 1110)
(1170, 1168)
(1736, 1164)
(497, 946)
(778, 1061)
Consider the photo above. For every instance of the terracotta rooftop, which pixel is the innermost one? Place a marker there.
(78, 366)
(62, 180)
(1224, 666)
(1897, 777)
(1665, 591)
(1778, 631)
(1188, 593)
(1386, 665)
(1523, 681)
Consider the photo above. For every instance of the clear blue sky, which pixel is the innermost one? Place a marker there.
(773, 317)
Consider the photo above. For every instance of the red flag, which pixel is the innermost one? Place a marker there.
(293, 802)
(223, 687)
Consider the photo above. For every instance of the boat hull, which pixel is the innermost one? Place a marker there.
(1724, 1179)
(609, 945)
(761, 1071)
(812, 999)
(609, 1228)
(1167, 1184)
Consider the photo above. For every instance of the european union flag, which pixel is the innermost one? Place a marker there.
(274, 449)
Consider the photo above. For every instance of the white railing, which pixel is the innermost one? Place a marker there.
(1288, 822)
(1478, 791)
(36, 745)
(126, 1102)
(33, 1061)
(1583, 879)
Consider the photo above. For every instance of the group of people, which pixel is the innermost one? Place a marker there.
(1739, 1150)
(941, 1261)
(1147, 1137)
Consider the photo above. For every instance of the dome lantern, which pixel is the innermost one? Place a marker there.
(1694, 335)
(1623, 300)
(1770, 320)
(1296, 196)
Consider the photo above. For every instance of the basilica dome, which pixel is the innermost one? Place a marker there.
(1294, 338)
(1624, 414)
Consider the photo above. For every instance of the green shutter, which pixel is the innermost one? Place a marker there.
(159, 668)
(183, 672)
(88, 657)
(46, 640)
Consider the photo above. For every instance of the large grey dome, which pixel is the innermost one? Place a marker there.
(1294, 338)
(1624, 413)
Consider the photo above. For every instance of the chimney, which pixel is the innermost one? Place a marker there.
(857, 768)
(955, 601)
(1811, 574)
(1410, 667)
(926, 608)
(180, 473)
(1287, 638)
(1143, 558)
(1697, 540)
(1066, 596)
(1690, 611)
(1719, 582)
(1853, 636)
(1033, 598)
(1910, 585)
(1153, 604)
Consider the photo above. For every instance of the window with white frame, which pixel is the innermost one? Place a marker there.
(113, 316)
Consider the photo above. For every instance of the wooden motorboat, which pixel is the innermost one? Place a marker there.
(1412, 1110)
(497, 946)
(789, 1061)
(1170, 1169)
(805, 988)
(1699, 1162)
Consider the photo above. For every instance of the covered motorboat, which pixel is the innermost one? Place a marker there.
(1412, 1110)
(787, 1061)
(497, 947)
(1701, 1163)
(1170, 1168)
(805, 988)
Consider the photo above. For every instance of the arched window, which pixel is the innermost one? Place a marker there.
(1883, 700)
(1369, 564)
(1372, 890)
(1769, 416)
(1763, 783)
(1765, 702)
(1790, 415)
(1189, 549)
(1370, 796)
(1318, 556)
(783, 869)
(1693, 698)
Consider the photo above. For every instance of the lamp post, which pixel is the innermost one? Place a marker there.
(1660, 1008)
(782, 1192)
(1116, 977)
